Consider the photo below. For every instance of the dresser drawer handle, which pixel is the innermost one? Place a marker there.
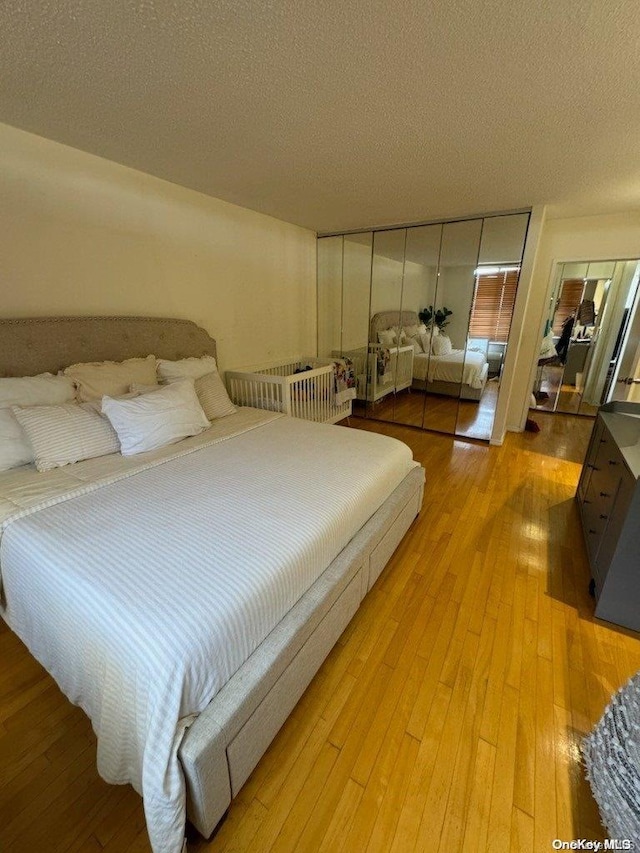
(612, 462)
(593, 531)
(593, 467)
(605, 495)
(604, 517)
(586, 501)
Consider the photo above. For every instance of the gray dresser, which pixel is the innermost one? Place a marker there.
(609, 499)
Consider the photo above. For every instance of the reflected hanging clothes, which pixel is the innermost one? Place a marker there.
(587, 312)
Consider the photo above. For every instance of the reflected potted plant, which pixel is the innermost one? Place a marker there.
(439, 317)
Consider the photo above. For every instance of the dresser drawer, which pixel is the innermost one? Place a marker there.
(609, 500)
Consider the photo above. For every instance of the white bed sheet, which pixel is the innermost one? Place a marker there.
(463, 366)
(143, 585)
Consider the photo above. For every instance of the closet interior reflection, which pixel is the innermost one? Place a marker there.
(423, 315)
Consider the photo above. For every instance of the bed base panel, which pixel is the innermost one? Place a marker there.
(225, 743)
(265, 722)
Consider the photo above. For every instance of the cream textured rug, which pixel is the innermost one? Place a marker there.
(612, 758)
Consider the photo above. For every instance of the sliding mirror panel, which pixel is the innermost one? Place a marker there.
(356, 287)
(624, 383)
(389, 360)
(449, 323)
(419, 291)
(494, 293)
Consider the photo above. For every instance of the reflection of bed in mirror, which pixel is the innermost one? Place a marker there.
(459, 373)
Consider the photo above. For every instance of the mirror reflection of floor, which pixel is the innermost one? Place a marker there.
(555, 395)
(438, 412)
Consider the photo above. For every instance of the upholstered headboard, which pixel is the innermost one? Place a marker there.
(36, 345)
(389, 320)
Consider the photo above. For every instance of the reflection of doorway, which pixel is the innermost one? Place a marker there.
(589, 312)
(625, 379)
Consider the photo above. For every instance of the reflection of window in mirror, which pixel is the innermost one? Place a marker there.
(491, 311)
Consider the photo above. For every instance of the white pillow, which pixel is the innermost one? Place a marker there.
(156, 419)
(94, 379)
(417, 346)
(387, 338)
(441, 345)
(41, 390)
(61, 435)
(186, 368)
(213, 396)
(425, 341)
(412, 331)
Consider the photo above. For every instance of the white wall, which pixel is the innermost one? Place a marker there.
(610, 237)
(83, 235)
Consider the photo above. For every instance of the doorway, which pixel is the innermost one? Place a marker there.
(591, 316)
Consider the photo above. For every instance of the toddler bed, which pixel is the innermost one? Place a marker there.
(188, 626)
(447, 371)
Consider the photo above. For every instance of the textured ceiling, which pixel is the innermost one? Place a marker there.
(342, 114)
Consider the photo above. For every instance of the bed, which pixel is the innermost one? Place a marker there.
(460, 373)
(253, 544)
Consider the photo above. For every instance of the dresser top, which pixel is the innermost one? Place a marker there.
(625, 429)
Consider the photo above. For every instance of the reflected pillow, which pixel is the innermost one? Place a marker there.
(425, 341)
(412, 331)
(387, 338)
(441, 345)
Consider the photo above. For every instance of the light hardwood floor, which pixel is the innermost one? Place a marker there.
(447, 718)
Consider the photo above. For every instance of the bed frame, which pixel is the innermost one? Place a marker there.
(390, 319)
(226, 741)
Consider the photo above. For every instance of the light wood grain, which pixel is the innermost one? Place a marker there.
(447, 718)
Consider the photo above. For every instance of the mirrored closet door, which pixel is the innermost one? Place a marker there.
(424, 314)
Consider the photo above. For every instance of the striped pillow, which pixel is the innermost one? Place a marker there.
(61, 435)
(42, 390)
(213, 396)
(209, 386)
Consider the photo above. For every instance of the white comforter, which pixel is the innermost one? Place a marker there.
(142, 585)
(464, 366)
